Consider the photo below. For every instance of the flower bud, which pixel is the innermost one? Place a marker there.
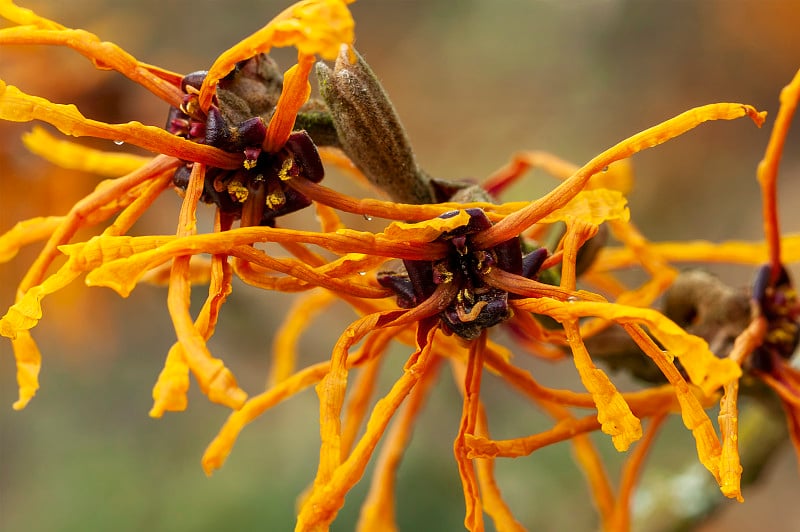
(369, 130)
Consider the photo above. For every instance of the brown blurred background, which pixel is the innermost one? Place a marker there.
(473, 81)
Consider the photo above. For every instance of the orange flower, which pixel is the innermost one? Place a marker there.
(464, 272)
(764, 347)
(341, 465)
(313, 26)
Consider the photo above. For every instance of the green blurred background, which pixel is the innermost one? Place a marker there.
(473, 81)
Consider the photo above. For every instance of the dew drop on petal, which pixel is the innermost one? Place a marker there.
(119, 142)
(362, 273)
(367, 217)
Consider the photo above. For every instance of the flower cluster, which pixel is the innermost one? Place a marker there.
(450, 266)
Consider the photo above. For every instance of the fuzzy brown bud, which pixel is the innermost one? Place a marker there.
(369, 130)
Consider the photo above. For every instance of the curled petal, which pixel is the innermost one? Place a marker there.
(295, 93)
(29, 362)
(169, 392)
(493, 502)
(704, 368)
(132, 192)
(694, 416)
(104, 55)
(299, 276)
(730, 467)
(578, 232)
(327, 497)
(593, 207)
(473, 519)
(428, 230)
(26, 313)
(392, 210)
(121, 275)
(565, 429)
(613, 413)
(690, 348)
(516, 223)
(523, 286)
(215, 380)
(27, 310)
(365, 384)
(335, 477)
(314, 27)
(17, 106)
(99, 250)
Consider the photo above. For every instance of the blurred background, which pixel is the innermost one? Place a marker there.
(473, 81)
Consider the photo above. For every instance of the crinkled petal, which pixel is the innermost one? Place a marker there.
(104, 55)
(327, 497)
(103, 249)
(565, 429)
(692, 412)
(391, 210)
(733, 251)
(426, 231)
(295, 93)
(26, 313)
(314, 27)
(216, 381)
(123, 274)
(704, 368)
(29, 362)
(516, 223)
(473, 516)
(613, 413)
(730, 467)
(677, 342)
(17, 106)
(593, 207)
(169, 392)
